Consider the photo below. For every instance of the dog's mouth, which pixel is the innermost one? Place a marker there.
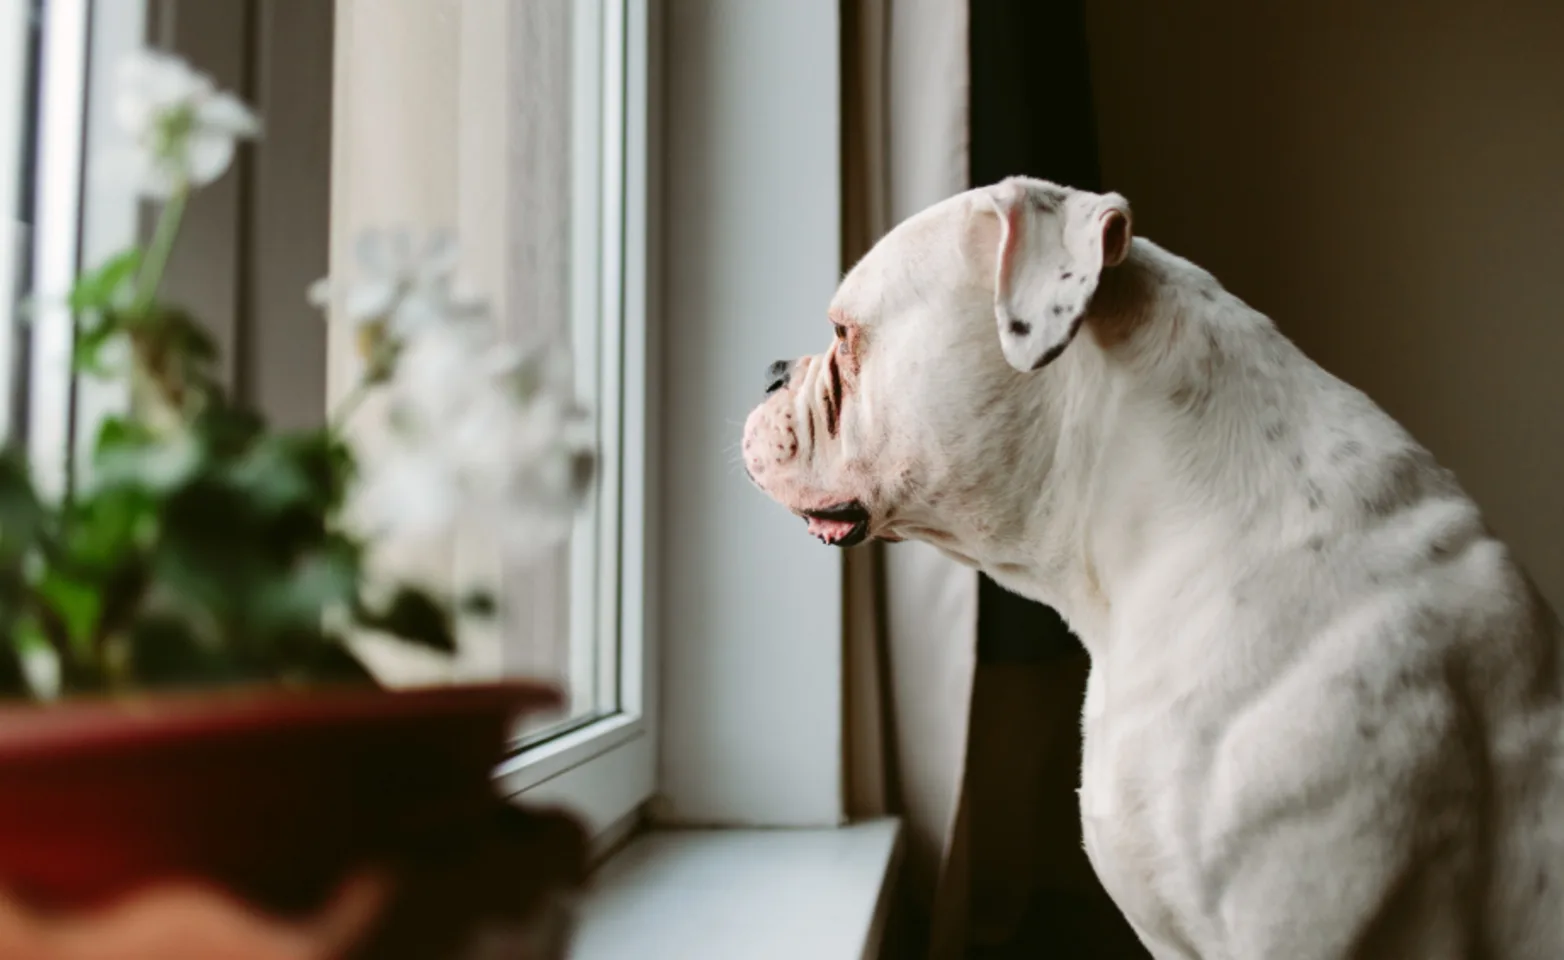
(840, 525)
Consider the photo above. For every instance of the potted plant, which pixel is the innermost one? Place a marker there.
(192, 736)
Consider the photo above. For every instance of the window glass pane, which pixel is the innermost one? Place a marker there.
(512, 135)
(18, 84)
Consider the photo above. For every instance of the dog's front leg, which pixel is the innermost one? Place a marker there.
(1295, 900)
(1355, 836)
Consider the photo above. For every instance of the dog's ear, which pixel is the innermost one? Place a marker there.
(1054, 244)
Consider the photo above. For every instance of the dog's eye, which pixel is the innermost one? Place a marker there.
(841, 332)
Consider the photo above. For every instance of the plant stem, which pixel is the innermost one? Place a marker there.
(157, 254)
(349, 405)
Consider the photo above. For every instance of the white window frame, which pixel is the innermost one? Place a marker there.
(57, 218)
(82, 218)
(604, 770)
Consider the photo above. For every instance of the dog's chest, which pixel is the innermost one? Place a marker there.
(1141, 817)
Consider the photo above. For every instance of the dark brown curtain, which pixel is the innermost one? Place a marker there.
(1033, 892)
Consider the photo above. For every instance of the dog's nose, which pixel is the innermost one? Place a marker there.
(777, 376)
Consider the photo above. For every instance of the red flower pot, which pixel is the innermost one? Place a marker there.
(274, 797)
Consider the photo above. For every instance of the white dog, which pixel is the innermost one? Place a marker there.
(1324, 714)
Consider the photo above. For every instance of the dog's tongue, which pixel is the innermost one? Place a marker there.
(830, 530)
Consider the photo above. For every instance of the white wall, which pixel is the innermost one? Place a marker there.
(752, 617)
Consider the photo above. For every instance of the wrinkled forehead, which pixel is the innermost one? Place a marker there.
(923, 257)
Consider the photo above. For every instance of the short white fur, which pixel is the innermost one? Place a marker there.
(1324, 713)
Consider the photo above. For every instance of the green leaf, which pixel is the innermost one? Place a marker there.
(22, 515)
(166, 651)
(227, 432)
(124, 591)
(75, 605)
(209, 551)
(330, 661)
(302, 596)
(157, 467)
(117, 432)
(286, 471)
(414, 616)
(14, 681)
(92, 342)
(100, 288)
(104, 529)
(13, 676)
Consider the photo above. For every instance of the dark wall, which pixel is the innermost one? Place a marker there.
(1386, 181)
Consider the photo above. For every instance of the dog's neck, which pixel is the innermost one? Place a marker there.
(1118, 401)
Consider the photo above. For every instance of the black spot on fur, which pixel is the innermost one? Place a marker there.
(1050, 356)
(1059, 309)
(1066, 275)
(1046, 202)
(1053, 352)
(1010, 458)
(1206, 294)
(1317, 543)
(1400, 483)
(1020, 328)
(1348, 450)
(1192, 397)
(1275, 431)
(1315, 495)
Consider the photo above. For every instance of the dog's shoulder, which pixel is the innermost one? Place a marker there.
(1307, 477)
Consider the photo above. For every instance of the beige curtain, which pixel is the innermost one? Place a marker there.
(912, 614)
(981, 760)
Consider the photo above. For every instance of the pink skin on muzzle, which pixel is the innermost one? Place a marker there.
(782, 451)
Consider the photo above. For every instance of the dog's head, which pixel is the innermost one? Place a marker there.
(927, 390)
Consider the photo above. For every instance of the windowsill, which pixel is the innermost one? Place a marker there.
(740, 894)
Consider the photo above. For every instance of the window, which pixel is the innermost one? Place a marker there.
(522, 127)
(599, 754)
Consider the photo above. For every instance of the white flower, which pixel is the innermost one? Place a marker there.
(401, 291)
(182, 127)
(483, 430)
(406, 288)
(530, 450)
(405, 492)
